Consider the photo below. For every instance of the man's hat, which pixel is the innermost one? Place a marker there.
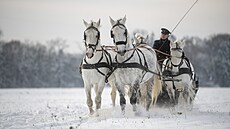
(165, 31)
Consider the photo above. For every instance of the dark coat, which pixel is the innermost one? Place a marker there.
(163, 46)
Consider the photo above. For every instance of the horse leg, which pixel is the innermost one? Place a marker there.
(89, 99)
(121, 90)
(189, 97)
(113, 92)
(171, 93)
(133, 98)
(192, 94)
(99, 91)
(181, 99)
(149, 98)
(141, 95)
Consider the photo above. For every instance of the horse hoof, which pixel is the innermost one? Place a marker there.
(91, 111)
(122, 107)
(123, 112)
(134, 108)
(96, 114)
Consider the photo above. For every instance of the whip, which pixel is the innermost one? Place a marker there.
(184, 16)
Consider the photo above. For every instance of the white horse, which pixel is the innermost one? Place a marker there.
(145, 88)
(95, 65)
(132, 65)
(180, 77)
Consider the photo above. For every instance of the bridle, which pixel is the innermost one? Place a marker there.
(177, 48)
(93, 46)
(118, 24)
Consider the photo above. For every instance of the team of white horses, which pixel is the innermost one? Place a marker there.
(133, 65)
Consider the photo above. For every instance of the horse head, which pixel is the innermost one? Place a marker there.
(177, 48)
(91, 37)
(119, 34)
(140, 39)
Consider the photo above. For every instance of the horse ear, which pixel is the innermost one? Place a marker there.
(112, 21)
(171, 44)
(86, 24)
(135, 38)
(146, 39)
(123, 20)
(98, 23)
(182, 43)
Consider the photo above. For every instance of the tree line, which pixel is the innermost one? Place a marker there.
(25, 64)
(36, 65)
(211, 59)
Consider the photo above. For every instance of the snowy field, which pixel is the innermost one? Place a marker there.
(66, 109)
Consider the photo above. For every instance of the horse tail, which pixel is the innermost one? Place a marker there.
(157, 88)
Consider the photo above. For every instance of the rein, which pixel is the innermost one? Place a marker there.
(113, 48)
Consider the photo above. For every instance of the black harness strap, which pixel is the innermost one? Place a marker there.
(98, 38)
(131, 65)
(145, 62)
(100, 64)
(95, 66)
(126, 34)
(126, 59)
(170, 73)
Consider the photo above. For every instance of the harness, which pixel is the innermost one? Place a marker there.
(112, 66)
(105, 54)
(169, 73)
(99, 64)
(141, 65)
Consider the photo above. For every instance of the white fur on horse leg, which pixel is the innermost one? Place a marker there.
(171, 92)
(180, 105)
(121, 91)
(100, 89)
(89, 100)
(188, 96)
(113, 93)
(148, 97)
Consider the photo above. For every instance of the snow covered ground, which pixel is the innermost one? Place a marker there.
(66, 108)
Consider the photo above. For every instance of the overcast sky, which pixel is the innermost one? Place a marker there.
(42, 20)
